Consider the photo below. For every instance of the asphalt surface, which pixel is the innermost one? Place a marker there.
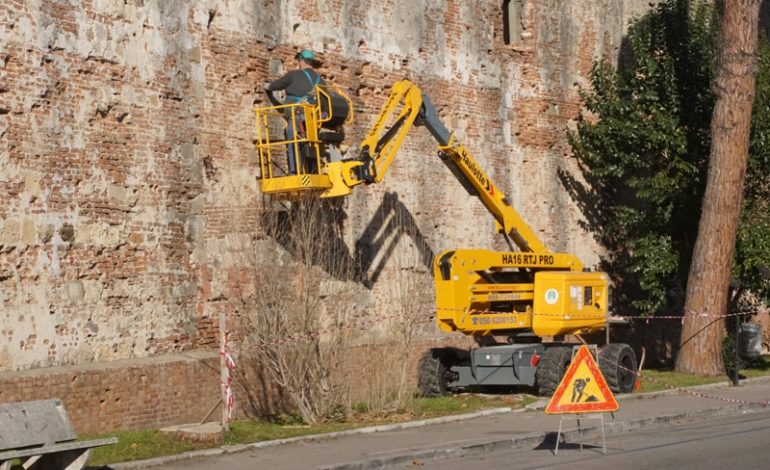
(734, 442)
(445, 439)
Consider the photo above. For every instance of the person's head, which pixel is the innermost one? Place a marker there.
(306, 58)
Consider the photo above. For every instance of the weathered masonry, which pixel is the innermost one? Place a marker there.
(127, 166)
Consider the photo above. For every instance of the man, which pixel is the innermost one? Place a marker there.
(299, 85)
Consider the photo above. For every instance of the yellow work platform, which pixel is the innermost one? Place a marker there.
(294, 184)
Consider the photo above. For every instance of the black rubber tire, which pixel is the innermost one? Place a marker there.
(431, 374)
(617, 362)
(551, 368)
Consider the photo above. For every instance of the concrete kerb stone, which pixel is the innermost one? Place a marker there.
(433, 454)
(227, 449)
(542, 402)
(167, 459)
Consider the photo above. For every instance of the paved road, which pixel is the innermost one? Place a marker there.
(735, 442)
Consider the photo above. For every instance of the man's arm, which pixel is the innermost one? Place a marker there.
(279, 84)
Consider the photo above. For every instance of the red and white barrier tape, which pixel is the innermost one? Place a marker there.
(227, 384)
(364, 322)
(620, 317)
(690, 392)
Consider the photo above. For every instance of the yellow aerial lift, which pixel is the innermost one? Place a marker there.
(526, 295)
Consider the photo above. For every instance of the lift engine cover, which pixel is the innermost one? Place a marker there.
(569, 302)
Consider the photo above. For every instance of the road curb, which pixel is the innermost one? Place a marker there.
(478, 447)
(541, 403)
(228, 449)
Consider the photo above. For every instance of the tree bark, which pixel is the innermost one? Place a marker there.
(708, 282)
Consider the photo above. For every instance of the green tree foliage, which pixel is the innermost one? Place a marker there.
(752, 259)
(644, 144)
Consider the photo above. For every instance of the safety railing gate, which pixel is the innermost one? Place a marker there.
(292, 144)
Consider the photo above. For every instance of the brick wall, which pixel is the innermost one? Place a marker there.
(125, 394)
(127, 164)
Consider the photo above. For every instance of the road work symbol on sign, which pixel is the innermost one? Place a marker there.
(583, 388)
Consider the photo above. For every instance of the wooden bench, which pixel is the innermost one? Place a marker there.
(40, 434)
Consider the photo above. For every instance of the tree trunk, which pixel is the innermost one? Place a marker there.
(709, 277)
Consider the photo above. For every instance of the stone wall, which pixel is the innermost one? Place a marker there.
(127, 161)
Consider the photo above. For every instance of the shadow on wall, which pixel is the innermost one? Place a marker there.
(390, 223)
(261, 396)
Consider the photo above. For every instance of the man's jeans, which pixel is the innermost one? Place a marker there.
(294, 130)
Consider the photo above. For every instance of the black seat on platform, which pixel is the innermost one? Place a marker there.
(331, 137)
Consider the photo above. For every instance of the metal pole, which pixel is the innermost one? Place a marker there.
(735, 350)
(224, 372)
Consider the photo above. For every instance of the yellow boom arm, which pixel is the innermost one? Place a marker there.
(406, 106)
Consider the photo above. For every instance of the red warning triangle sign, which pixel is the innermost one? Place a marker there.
(583, 388)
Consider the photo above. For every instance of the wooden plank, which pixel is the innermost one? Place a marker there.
(50, 449)
(34, 423)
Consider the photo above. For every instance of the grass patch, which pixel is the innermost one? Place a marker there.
(757, 368)
(657, 379)
(246, 431)
(424, 408)
(139, 445)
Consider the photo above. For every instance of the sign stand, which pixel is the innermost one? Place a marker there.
(584, 393)
(580, 416)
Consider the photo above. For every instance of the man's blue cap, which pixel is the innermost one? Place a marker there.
(306, 54)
